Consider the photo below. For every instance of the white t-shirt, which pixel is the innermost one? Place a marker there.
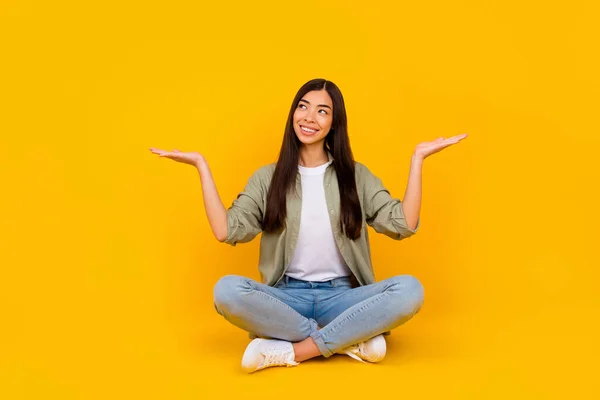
(316, 257)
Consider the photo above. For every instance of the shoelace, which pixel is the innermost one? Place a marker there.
(276, 356)
(352, 352)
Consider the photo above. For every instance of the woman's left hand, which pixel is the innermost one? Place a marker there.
(426, 149)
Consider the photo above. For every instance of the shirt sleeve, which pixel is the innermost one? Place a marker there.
(384, 212)
(244, 217)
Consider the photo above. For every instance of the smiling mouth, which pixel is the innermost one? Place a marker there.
(308, 130)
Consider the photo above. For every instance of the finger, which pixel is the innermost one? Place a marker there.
(453, 139)
(457, 139)
(452, 142)
(432, 142)
(460, 137)
(446, 143)
(161, 153)
(176, 151)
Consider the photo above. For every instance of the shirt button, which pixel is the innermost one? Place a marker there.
(331, 212)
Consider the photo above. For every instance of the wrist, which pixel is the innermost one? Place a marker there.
(417, 158)
(200, 160)
(201, 164)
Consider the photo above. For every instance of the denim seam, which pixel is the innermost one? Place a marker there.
(374, 300)
(269, 297)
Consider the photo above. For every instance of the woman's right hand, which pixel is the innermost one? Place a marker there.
(191, 157)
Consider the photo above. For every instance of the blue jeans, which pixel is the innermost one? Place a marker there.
(335, 314)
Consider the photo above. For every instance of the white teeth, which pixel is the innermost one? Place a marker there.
(308, 130)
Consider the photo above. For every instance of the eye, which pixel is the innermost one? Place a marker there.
(324, 112)
(301, 105)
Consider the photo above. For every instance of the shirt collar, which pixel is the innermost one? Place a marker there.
(329, 156)
(329, 159)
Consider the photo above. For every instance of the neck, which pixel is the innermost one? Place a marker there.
(312, 156)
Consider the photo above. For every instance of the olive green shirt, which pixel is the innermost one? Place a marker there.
(379, 210)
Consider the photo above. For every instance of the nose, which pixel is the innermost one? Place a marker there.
(309, 117)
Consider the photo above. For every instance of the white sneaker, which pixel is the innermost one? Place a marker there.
(372, 350)
(263, 353)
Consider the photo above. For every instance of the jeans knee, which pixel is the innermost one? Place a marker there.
(412, 288)
(226, 292)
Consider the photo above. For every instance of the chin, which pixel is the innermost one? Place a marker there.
(311, 141)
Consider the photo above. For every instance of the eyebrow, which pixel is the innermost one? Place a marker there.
(320, 105)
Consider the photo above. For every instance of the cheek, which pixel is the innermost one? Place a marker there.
(298, 114)
(325, 122)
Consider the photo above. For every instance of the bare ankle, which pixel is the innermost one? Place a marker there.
(305, 349)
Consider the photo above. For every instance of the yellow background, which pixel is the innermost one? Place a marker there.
(108, 262)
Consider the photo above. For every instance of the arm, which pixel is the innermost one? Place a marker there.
(215, 210)
(383, 212)
(411, 204)
(390, 216)
(243, 220)
(245, 216)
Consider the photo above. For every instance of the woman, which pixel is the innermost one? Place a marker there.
(318, 294)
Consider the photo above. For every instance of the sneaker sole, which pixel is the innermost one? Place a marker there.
(250, 352)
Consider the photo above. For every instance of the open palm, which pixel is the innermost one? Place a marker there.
(191, 157)
(425, 149)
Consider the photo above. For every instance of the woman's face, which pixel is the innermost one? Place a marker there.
(313, 117)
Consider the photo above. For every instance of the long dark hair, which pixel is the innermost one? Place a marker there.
(336, 142)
